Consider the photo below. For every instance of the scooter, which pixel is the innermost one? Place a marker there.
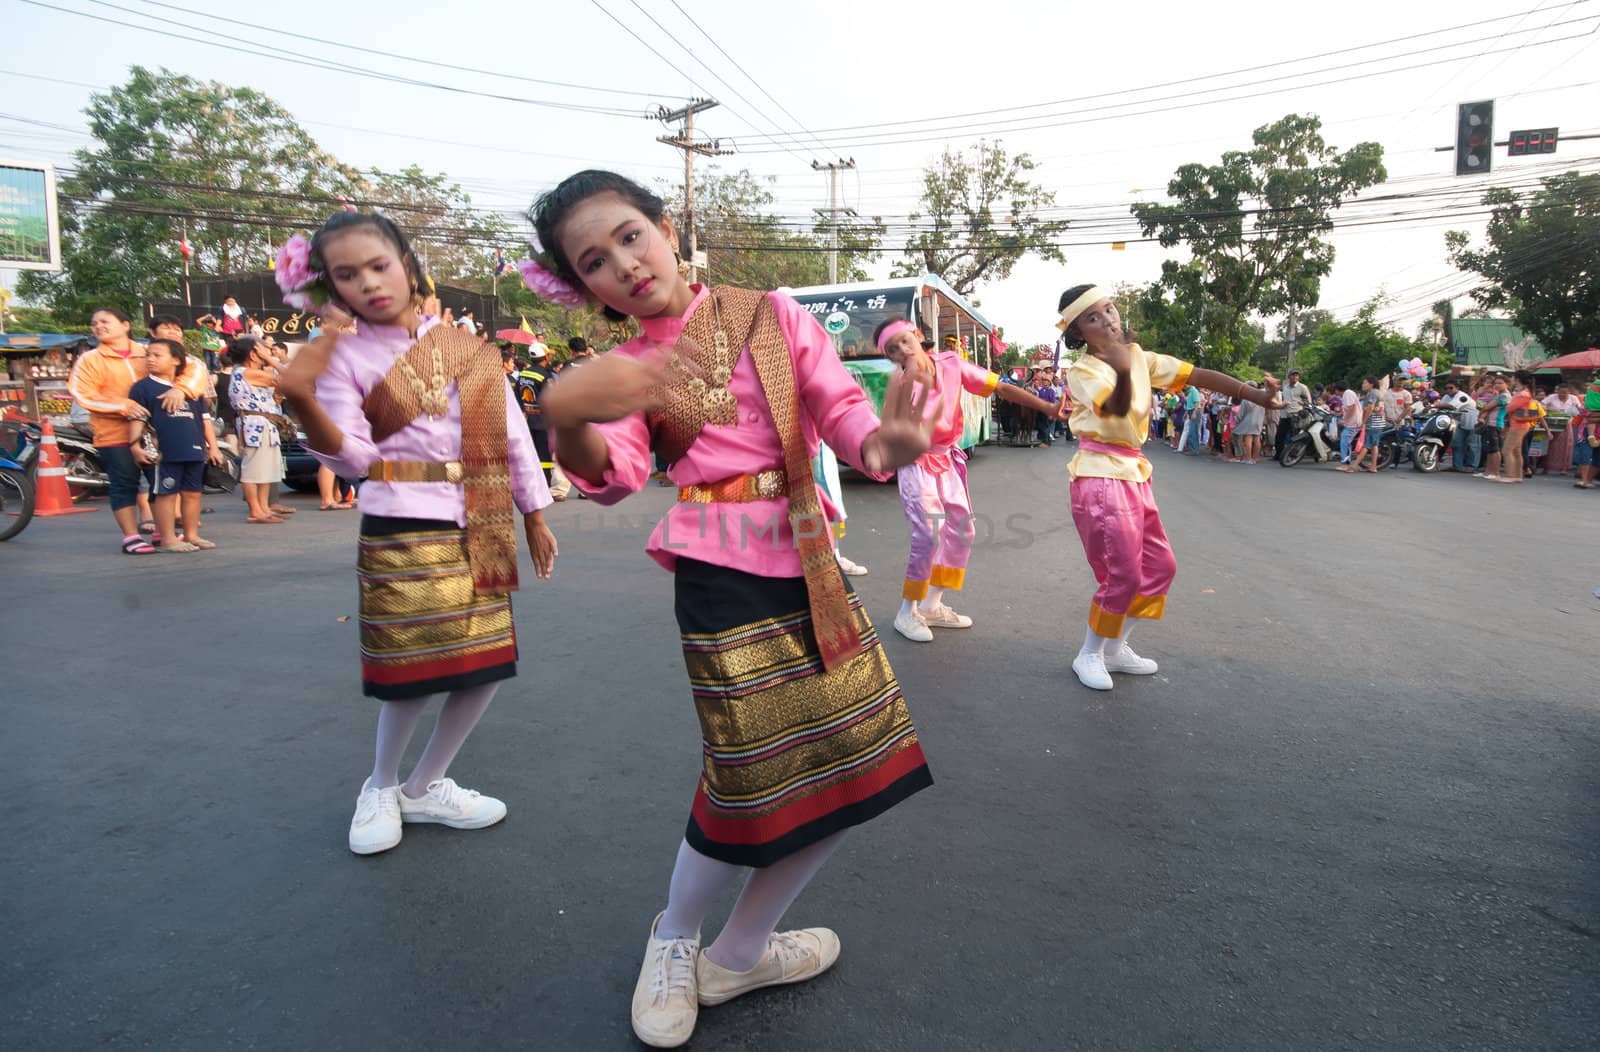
(1309, 435)
(19, 463)
(1436, 431)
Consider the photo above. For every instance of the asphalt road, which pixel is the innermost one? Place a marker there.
(1356, 809)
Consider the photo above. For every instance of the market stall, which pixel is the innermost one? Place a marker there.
(36, 368)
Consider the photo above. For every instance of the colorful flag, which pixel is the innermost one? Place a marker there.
(185, 249)
(500, 264)
(525, 326)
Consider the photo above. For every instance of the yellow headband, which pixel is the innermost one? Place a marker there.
(1070, 312)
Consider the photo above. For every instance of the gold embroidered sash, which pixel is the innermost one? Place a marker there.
(747, 318)
(699, 370)
(416, 385)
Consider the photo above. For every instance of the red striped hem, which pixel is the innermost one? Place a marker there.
(377, 670)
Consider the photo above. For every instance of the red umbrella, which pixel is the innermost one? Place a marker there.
(1589, 359)
(515, 336)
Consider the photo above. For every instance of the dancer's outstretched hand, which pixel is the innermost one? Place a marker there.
(906, 427)
(609, 388)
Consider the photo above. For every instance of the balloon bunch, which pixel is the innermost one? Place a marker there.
(1415, 368)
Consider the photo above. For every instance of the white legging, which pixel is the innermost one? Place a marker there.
(697, 880)
(397, 721)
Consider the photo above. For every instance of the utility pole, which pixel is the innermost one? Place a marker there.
(833, 211)
(1290, 363)
(685, 141)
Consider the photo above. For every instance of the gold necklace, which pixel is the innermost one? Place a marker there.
(716, 400)
(432, 392)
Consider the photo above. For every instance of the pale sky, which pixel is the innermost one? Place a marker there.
(1077, 85)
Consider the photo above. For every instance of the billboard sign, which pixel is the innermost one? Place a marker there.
(30, 228)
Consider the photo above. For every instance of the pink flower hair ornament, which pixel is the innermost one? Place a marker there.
(299, 275)
(547, 285)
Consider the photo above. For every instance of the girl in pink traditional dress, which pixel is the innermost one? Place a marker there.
(933, 489)
(425, 413)
(805, 731)
(1112, 502)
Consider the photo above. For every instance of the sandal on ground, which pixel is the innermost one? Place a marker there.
(202, 544)
(137, 546)
(279, 509)
(336, 506)
(270, 520)
(175, 549)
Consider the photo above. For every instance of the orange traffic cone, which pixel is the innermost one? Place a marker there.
(51, 495)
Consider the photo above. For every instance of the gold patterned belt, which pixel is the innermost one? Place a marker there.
(415, 471)
(739, 489)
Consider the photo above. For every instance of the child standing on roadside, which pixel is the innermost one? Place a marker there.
(805, 732)
(424, 411)
(186, 440)
(1113, 505)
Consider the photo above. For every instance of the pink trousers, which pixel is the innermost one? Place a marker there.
(1127, 549)
(939, 513)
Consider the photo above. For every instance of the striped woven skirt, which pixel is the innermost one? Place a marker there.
(792, 753)
(423, 628)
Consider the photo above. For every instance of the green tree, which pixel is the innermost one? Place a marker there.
(981, 212)
(234, 172)
(1254, 225)
(229, 162)
(1360, 347)
(454, 240)
(1273, 355)
(749, 244)
(1541, 260)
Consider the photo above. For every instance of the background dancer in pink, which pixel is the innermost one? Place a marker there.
(933, 490)
(1112, 503)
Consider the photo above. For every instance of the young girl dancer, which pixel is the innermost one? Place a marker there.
(805, 730)
(1112, 503)
(933, 491)
(425, 412)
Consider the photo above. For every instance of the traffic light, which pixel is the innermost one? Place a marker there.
(1535, 140)
(1474, 137)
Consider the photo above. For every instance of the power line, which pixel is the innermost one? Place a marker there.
(798, 122)
(498, 74)
(280, 55)
(943, 135)
(1223, 75)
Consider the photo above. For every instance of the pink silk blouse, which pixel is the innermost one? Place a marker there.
(360, 363)
(753, 536)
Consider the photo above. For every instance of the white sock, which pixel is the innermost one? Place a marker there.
(907, 606)
(697, 880)
(1115, 645)
(934, 597)
(1094, 644)
(461, 712)
(397, 721)
(766, 898)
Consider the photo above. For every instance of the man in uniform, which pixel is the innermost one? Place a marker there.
(530, 381)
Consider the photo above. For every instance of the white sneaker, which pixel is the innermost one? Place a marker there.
(449, 804)
(851, 569)
(1125, 660)
(942, 616)
(1091, 670)
(791, 957)
(910, 624)
(376, 826)
(666, 999)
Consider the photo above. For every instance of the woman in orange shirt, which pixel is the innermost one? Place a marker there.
(1522, 413)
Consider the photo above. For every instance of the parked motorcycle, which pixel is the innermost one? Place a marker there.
(19, 462)
(86, 476)
(1312, 432)
(1436, 432)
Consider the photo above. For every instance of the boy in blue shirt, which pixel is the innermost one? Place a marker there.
(187, 441)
